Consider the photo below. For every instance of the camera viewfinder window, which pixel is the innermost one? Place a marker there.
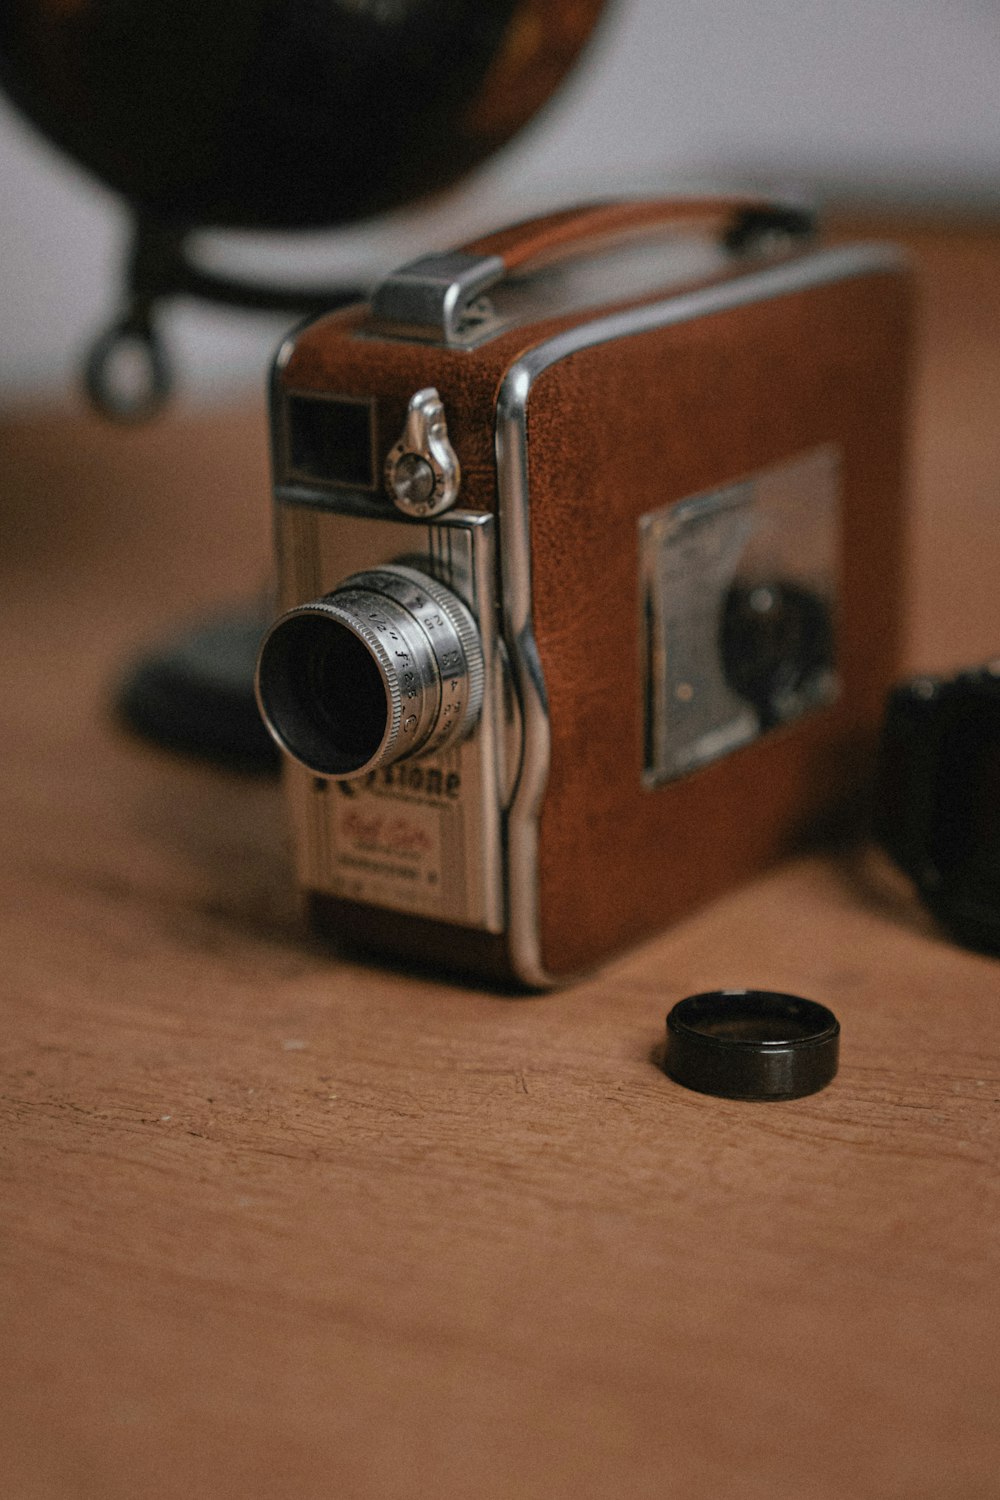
(331, 441)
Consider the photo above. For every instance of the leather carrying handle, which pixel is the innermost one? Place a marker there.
(740, 218)
(428, 299)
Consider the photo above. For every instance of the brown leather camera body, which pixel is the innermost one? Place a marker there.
(584, 432)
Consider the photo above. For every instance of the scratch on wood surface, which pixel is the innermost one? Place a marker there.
(522, 1082)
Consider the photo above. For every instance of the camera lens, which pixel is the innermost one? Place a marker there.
(386, 666)
(323, 690)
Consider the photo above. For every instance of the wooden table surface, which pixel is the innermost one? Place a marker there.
(277, 1224)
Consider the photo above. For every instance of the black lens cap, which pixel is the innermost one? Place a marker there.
(752, 1044)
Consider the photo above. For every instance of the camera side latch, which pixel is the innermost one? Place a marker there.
(422, 472)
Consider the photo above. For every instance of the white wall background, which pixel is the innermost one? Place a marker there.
(890, 98)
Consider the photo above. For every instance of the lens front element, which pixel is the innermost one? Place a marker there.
(388, 665)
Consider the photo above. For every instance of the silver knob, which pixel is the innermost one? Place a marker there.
(422, 472)
(387, 666)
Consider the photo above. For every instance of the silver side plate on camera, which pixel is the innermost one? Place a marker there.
(421, 835)
(737, 612)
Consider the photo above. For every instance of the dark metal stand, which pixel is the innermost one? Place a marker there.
(194, 693)
(159, 267)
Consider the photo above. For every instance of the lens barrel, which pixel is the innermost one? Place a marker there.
(388, 665)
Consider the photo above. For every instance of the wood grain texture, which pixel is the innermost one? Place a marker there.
(277, 1224)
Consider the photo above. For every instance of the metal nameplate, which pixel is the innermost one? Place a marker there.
(421, 836)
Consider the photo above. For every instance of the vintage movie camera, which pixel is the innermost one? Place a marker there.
(590, 550)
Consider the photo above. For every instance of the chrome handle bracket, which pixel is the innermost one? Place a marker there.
(438, 299)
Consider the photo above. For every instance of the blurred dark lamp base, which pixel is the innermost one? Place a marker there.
(194, 694)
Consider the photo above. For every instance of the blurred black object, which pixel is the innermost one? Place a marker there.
(194, 694)
(270, 114)
(284, 113)
(938, 804)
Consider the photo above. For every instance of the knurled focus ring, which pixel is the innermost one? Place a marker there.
(451, 632)
(474, 674)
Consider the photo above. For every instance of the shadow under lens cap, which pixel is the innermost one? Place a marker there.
(752, 1044)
